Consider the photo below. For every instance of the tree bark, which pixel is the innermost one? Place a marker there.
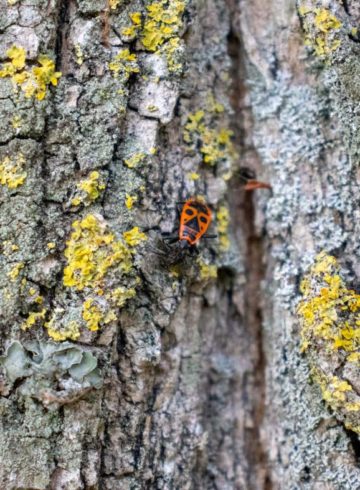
(125, 363)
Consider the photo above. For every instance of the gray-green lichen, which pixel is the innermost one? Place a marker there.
(53, 373)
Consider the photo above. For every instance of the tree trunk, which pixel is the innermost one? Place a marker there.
(129, 363)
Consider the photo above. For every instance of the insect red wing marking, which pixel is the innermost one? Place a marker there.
(194, 221)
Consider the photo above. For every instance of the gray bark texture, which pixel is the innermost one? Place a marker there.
(129, 364)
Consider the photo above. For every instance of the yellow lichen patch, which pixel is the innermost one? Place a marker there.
(172, 51)
(330, 335)
(207, 271)
(51, 245)
(12, 172)
(34, 318)
(124, 64)
(113, 4)
(130, 201)
(15, 271)
(16, 122)
(163, 21)
(134, 237)
(223, 220)
(214, 144)
(135, 26)
(97, 262)
(32, 82)
(120, 295)
(193, 176)
(79, 54)
(91, 253)
(89, 189)
(92, 314)
(213, 105)
(59, 333)
(134, 159)
(8, 248)
(321, 25)
(329, 311)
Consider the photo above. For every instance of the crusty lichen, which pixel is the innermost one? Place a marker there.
(163, 22)
(100, 270)
(89, 189)
(214, 145)
(207, 271)
(130, 200)
(124, 64)
(158, 30)
(134, 160)
(32, 82)
(223, 220)
(330, 334)
(12, 173)
(13, 274)
(321, 26)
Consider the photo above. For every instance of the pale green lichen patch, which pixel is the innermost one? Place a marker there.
(330, 332)
(100, 269)
(34, 82)
(89, 189)
(12, 173)
(43, 365)
(214, 144)
(321, 27)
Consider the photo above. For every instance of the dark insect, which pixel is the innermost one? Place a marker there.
(248, 178)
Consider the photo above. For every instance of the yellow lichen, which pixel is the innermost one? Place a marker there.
(214, 144)
(34, 318)
(113, 4)
(88, 189)
(320, 26)
(120, 295)
(130, 201)
(51, 245)
(124, 64)
(172, 50)
(193, 176)
(59, 333)
(8, 248)
(16, 122)
(79, 54)
(329, 311)
(15, 271)
(163, 21)
(330, 333)
(91, 253)
(223, 220)
(134, 237)
(12, 172)
(207, 271)
(92, 314)
(96, 262)
(32, 82)
(134, 160)
(132, 30)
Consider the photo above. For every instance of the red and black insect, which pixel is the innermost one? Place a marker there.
(195, 219)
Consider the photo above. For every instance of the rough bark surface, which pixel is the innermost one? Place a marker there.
(122, 367)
